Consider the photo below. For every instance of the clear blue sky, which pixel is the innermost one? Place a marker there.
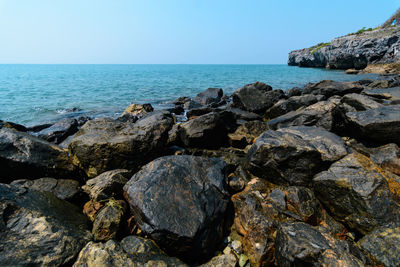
(176, 31)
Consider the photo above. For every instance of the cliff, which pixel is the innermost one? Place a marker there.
(357, 50)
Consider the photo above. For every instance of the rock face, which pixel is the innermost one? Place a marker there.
(293, 155)
(246, 133)
(106, 144)
(384, 244)
(353, 51)
(299, 244)
(59, 131)
(256, 97)
(38, 229)
(330, 88)
(108, 221)
(24, 156)
(209, 96)
(132, 251)
(182, 203)
(359, 193)
(138, 110)
(387, 157)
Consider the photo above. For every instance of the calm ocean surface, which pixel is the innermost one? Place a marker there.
(32, 94)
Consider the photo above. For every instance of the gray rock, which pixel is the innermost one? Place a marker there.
(243, 115)
(181, 202)
(330, 88)
(211, 95)
(229, 260)
(360, 102)
(390, 94)
(107, 185)
(59, 131)
(387, 157)
(38, 229)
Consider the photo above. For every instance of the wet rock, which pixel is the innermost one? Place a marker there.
(318, 114)
(59, 131)
(65, 189)
(138, 110)
(284, 106)
(246, 133)
(380, 125)
(106, 144)
(38, 229)
(206, 131)
(299, 244)
(383, 244)
(211, 95)
(358, 193)
(182, 203)
(107, 185)
(291, 156)
(24, 156)
(387, 157)
(107, 224)
(256, 97)
(330, 88)
(11, 125)
(132, 251)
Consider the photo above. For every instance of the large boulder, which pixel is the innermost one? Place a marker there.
(59, 131)
(359, 193)
(318, 114)
(390, 94)
(330, 88)
(25, 156)
(256, 97)
(209, 96)
(182, 203)
(106, 144)
(131, 251)
(38, 229)
(387, 157)
(292, 156)
(383, 244)
(360, 102)
(299, 244)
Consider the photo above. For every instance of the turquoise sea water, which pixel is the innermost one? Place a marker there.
(32, 94)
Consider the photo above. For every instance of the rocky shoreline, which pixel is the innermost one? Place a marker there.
(306, 177)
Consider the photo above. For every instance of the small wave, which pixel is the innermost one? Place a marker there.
(67, 110)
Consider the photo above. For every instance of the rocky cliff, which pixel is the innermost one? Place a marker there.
(378, 46)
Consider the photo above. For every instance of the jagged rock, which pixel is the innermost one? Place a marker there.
(295, 91)
(330, 88)
(359, 193)
(318, 114)
(387, 157)
(211, 95)
(284, 106)
(182, 203)
(195, 112)
(190, 104)
(11, 125)
(246, 133)
(391, 94)
(181, 100)
(256, 97)
(138, 110)
(38, 229)
(107, 185)
(132, 251)
(107, 223)
(105, 144)
(59, 131)
(360, 102)
(380, 125)
(299, 244)
(293, 155)
(65, 189)
(24, 156)
(383, 244)
(206, 131)
(243, 115)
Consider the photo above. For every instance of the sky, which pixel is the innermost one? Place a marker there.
(176, 31)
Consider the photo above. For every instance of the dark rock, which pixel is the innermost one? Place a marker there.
(195, 112)
(360, 102)
(211, 95)
(188, 105)
(225, 260)
(387, 157)
(330, 88)
(106, 144)
(181, 100)
(38, 128)
(38, 229)
(380, 125)
(11, 125)
(107, 185)
(358, 193)
(256, 97)
(383, 244)
(132, 251)
(291, 156)
(318, 114)
(206, 131)
(65, 189)
(284, 106)
(295, 91)
(379, 84)
(299, 244)
(59, 131)
(25, 156)
(243, 115)
(91, 208)
(246, 133)
(107, 224)
(182, 203)
(391, 94)
(177, 110)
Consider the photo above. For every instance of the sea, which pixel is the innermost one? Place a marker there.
(35, 94)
